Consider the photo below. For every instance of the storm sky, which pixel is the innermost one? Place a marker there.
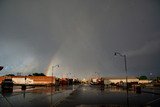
(81, 36)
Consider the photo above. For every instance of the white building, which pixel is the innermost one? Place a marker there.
(109, 80)
(22, 81)
(144, 81)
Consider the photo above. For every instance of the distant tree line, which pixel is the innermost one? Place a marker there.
(158, 78)
(37, 74)
(143, 78)
(34, 74)
(10, 75)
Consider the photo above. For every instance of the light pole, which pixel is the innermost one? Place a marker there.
(1, 67)
(69, 77)
(98, 74)
(52, 71)
(151, 76)
(52, 82)
(125, 63)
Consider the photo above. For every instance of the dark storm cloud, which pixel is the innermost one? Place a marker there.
(80, 35)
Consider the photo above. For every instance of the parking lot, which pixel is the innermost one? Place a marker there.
(78, 96)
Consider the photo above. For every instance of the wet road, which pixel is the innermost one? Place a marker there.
(93, 96)
(35, 97)
(77, 96)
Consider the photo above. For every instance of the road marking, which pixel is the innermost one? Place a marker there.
(67, 94)
(153, 101)
(7, 101)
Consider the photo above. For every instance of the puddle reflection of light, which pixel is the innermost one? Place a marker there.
(116, 90)
(73, 87)
(109, 105)
(84, 89)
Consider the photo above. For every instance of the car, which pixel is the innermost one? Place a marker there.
(7, 84)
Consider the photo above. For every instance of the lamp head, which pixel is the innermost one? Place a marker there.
(1, 67)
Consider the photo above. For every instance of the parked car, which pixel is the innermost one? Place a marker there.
(7, 84)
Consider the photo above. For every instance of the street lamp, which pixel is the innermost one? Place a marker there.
(68, 75)
(97, 74)
(125, 62)
(52, 81)
(53, 69)
(1, 67)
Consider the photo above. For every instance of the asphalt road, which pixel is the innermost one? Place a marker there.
(95, 96)
(77, 96)
(35, 97)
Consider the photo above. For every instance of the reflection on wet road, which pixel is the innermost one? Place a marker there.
(96, 96)
(77, 96)
(32, 97)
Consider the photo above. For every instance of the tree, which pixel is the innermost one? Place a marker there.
(39, 74)
(10, 75)
(143, 78)
(158, 78)
(29, 75)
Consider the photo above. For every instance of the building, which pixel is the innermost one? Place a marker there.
(115, 80)
(22, 80)
(144, 81)
(97, 81)
(1, 79)
(37, 80)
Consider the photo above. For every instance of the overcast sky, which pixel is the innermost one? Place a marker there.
(81, 36)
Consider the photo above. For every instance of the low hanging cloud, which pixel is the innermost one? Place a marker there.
(79, 35)
(148, 48)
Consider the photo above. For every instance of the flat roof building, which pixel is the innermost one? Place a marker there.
(39, 80)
